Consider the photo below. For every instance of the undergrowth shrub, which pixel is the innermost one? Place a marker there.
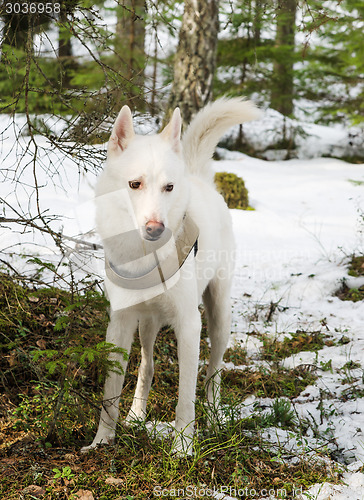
(232, 189)
(281, 415)
(53, 358)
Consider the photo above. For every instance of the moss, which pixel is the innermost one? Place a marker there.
(232, 189)
(356, 269)
(353, 294)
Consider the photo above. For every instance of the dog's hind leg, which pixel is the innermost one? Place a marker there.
(216, 299)
(148, 331)
(120, 332)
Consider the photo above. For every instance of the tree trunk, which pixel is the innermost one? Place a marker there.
(15, 30)
(257, 21)
(65, 59)
(64, 38)
(16, 26)
(282, 83)
(129, 48)
(195, 59)
(153, 106)
(248, 40)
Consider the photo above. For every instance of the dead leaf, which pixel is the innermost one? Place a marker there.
(41, 343)
(12, 359)
(84, 495)
(114, 480)
(34, 490)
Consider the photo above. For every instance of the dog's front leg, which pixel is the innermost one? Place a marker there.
(148, 330)
(120, 332)
(188, 331)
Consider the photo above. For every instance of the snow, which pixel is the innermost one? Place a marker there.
(310, 139)
(352, 489)
(292, 249)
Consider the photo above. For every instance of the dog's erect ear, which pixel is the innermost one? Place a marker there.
(172, 131)
(123, 130)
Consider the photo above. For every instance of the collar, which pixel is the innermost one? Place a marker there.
(162, 271)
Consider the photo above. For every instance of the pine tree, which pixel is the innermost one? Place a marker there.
(333, 69)
(129, 49)
(245, 53)
(282, 83)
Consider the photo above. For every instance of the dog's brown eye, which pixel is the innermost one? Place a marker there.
(169, 187)
(134, 184)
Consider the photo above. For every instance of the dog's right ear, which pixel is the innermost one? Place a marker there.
(122, 132)
(172, 131)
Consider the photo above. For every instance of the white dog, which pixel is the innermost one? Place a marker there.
(168, 243)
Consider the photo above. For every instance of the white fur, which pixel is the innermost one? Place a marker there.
(157, 161)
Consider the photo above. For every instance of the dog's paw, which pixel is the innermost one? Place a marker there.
(182, 446)
(135, 418)
(105, 441)
(87, 449)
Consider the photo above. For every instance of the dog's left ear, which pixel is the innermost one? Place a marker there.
(172, 131)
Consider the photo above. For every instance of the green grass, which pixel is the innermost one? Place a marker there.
(293, 343)
(236, 354)
(356, 182)
(266, 383)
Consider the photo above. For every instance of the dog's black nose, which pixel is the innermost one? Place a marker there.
(154, 229)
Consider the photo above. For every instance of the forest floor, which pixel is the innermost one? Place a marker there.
(50, 404)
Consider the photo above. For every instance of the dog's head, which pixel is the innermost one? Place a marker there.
(150, 170)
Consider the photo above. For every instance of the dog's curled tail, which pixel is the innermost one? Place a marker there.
(203, 134)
